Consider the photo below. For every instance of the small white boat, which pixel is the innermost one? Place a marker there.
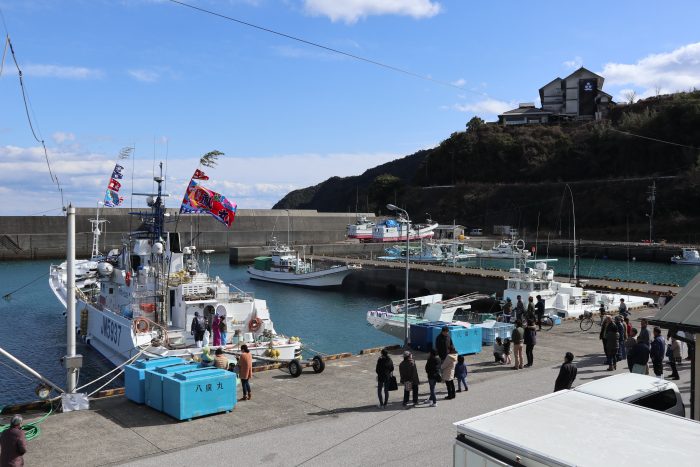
(429, 252)
(564, 299)
(285, 267)
(390, 318)
(361, 229)
(688, 256)
(506, 250)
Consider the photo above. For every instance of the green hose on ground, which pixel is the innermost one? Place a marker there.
(31, 430)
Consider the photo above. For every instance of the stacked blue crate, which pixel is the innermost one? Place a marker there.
(154, 382)
(134, 376)
(198, 392)
(466, 340)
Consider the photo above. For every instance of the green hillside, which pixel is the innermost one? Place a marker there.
(490, 174)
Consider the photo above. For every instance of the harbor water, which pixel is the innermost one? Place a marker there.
(327, 321)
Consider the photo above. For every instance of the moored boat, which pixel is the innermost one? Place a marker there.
(284, 266)
(506, 250)
(361, 229)
(687, 256)
(149, 292)
(392, 230)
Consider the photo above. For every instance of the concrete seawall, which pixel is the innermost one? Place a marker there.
(34, 237)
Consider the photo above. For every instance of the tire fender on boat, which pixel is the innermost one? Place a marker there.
(141, 325)
(255, 324)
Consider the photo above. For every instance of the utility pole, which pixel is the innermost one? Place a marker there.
(651, 191)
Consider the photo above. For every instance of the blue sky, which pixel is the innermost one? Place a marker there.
(172, 81)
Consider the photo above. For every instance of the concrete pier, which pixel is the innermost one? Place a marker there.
(318, 419)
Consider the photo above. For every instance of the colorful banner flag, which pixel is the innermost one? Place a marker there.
(199, 175)
(200, 199)
(112, 198)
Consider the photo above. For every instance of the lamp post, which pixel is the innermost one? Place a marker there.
(392, 207)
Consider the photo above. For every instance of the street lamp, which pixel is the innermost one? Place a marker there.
(391, 207)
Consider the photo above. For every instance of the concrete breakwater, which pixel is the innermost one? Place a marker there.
(35, 237)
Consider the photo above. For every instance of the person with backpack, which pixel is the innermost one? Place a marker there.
(197, 329)
(223, 330)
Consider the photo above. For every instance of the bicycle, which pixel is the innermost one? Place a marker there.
(587, 319)
(547, 322)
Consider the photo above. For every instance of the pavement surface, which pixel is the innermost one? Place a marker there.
(318, 419)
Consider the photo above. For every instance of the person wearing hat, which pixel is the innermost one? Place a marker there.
(13, 444)
(197, 329)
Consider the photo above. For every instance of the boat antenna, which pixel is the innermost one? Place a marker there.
(573, 212)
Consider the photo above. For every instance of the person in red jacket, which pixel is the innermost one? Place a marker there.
(245, 362)
(13, 444)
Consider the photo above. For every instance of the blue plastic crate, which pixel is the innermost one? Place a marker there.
(135, 379)
(198, 392)
(154, 382)
(556, 319)
(466, 341)
(502, 330)
(420, 338)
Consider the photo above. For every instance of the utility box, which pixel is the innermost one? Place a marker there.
(134, 376)
(198, 392)
(154, 382)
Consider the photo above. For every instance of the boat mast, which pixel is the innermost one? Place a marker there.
(573, 212)
(96, 232)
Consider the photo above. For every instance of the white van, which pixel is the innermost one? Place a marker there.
(645, 391)
(476, 232)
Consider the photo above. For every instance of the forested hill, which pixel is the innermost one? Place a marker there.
(491, 174)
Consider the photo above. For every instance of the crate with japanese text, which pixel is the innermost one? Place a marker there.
(198, 392)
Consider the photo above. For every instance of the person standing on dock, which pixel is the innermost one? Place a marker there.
(530, 312)
(643, 336)
(443, 342)
(673, 353)
(567, 373)
(630, 342)
(432, 370)
(409, 378)
(507, 310)
(216, 330)
(448, 372)
(539, 311)
(516, 338)
(622, 309)
(223, 329)
(461, 374)
(13, 444)
(657, 351)
(530, 339)
(385, 367)
(245, 363)
(519, 309)
(197, 329)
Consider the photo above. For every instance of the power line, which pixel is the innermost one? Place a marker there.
(654, 139)
(330, 49)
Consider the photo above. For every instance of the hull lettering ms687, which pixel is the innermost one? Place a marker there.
(111, 330)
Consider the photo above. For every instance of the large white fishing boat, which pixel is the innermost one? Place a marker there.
(390, 318)
(429, 252)
(148, 292)
(506, 250)
(392, 230)
(361, 229)
(687, 256)
(284, 266)
(564, 299)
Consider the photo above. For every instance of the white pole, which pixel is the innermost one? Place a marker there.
(28, 369)
(71, 373)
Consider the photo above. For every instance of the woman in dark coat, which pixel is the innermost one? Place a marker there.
(385, 366)
(612, 344)
(432, 370)
(409, 378)
(530, 341)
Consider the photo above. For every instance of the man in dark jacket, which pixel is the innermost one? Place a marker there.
(13, 444)
(530, 340)
(409, 378)
(385, 366)
(639, 355)
(657, 351)
(519, 309)
(197, 329)
(432, 370)
(567, 373)
(516, 337)
(643, 332)
(443, 342)
(539, 311)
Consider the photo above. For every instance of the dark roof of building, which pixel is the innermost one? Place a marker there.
(526, 111)
(582, 69)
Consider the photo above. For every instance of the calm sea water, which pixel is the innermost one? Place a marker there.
(327, 321)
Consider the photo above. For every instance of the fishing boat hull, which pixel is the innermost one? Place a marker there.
(332, 277)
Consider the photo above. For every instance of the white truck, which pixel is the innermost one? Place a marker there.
(572, 428)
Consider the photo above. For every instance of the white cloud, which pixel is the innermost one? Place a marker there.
(352, 10)
(61, 137)
(58, 71)
(573, 64)
(248, 181)
(486, 107)
(146, 76)
(460, 82)
(678, 70)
